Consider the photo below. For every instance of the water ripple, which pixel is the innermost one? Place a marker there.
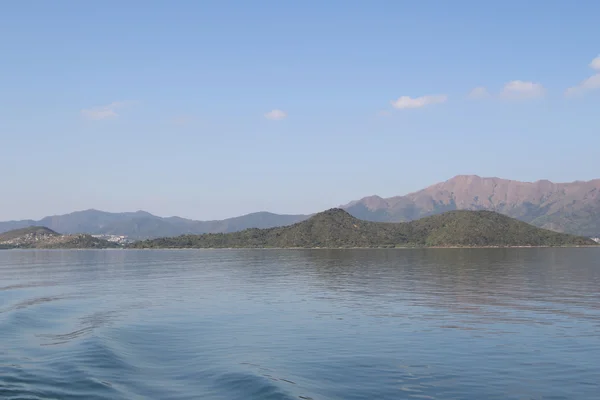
(385, 324)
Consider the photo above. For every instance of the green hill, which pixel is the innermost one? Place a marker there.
(32, 231)
(336, 228)
(39, 237)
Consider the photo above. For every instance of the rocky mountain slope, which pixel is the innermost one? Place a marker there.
(336, 228)
(565, 207)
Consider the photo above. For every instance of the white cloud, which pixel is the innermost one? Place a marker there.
(418, 102)
(276, 115)
(104, 112)
(591, 83)
(523, 90)
(479, 92)
(595, 64)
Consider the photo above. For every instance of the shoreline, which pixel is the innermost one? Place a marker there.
(307, 248)
(365, 248)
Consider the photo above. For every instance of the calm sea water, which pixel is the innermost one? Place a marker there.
(320, 324)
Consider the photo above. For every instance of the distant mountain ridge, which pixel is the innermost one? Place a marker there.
(565, 207)
(143, 225)
(336, 228)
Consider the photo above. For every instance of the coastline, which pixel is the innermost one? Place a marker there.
(302, 248)
(362, 248)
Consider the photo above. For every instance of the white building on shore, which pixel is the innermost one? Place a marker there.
(121, 239)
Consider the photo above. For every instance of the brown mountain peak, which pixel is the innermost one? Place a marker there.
(569, 207)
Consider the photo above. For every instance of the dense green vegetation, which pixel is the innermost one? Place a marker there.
(336, 228)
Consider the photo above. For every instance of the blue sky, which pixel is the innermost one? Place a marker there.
(212, 109)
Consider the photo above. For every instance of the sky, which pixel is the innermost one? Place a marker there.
(213, 109)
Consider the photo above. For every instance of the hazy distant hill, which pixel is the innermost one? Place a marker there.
(40, 237)
(566, 207)
(141, 225)
(336, 228)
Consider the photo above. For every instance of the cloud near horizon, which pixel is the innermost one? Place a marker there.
(104, 112)
(405, 102)
(522, 90)
(591, 83)
(276, 115)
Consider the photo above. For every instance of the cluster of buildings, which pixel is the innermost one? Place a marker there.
(597, 240)
(120, 239)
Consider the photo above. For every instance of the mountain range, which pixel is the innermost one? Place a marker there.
(564, 207)
(143, 225)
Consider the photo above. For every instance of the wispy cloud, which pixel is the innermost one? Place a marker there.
(478, 93)
(383, 113)
(591, 83)
(276, 115)
(595, 64)
(405, 102)
(104, 112)
(522, 90)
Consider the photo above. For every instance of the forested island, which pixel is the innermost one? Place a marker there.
(335, 228)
